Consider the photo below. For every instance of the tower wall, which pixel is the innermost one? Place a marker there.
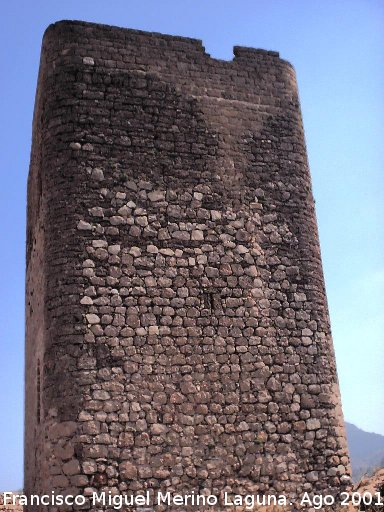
(177, 327)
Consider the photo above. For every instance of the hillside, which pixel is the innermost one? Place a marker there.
(366, 450)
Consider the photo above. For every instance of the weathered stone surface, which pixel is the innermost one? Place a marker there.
(128, 470)
(177, 325)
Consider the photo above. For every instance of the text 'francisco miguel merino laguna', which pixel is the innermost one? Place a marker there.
(117, 501)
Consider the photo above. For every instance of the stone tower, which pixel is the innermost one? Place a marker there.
(178, 334)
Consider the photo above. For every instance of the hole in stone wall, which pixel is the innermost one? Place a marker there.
(209, 300)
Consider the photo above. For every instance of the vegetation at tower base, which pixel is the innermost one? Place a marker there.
(178, 334)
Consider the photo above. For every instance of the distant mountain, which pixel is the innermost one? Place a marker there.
(366, 450)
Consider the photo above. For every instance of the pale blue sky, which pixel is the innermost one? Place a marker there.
(337, 48)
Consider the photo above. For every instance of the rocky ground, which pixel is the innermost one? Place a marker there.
(9, 508)
(372, 485)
